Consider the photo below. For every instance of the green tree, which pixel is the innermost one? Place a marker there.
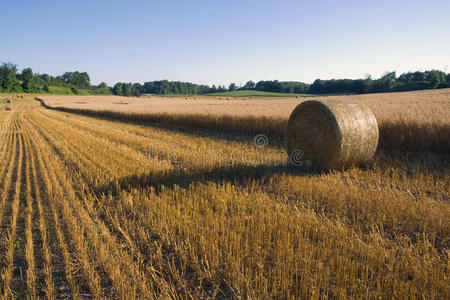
(386, 83)
(436, 78)
(80, 80)
(8, 79)
(103, 88)
(46, 78)
(232, 87)
(136, 89)
(126, 89)
(117, 89)
(165, 87)
(249, 85)
(46, 88)
(28, 84)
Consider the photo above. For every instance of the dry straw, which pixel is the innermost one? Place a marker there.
(8, 104)
(332, 134)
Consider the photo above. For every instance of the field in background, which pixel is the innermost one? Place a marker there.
(427, 105)
(93, 207)
(407, 120)
(253, 93)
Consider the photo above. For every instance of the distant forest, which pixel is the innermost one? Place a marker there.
(11, 81)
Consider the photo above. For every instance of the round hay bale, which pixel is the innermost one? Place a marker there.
(330, 134)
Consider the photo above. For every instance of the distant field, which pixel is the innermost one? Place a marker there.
(250, 93)
(426, 106)
(407, 119)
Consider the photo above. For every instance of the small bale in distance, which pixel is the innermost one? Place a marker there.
(330, 134)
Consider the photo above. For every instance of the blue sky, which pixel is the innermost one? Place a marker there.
(219, 42)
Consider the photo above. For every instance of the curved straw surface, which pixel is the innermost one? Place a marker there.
(332, 134)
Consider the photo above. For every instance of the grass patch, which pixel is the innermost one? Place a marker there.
(56, 90)
(65, 91)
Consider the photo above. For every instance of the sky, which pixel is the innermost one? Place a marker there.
(224, 41)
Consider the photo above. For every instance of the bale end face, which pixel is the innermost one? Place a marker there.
(331, 134)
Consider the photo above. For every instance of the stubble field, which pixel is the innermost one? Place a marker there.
(99, 202)
(427, 105)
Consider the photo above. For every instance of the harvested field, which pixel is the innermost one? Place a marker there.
(92, 207)
(426, 106)
(409, 120)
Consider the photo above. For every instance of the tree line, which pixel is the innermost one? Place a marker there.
(164, 87)
(12, 81)
(389, 82)
(26, 81)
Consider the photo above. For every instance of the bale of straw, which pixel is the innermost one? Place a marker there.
(330, 134)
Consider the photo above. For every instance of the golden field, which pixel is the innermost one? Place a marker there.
(408, 120)
(169, 198)
(385, 106)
